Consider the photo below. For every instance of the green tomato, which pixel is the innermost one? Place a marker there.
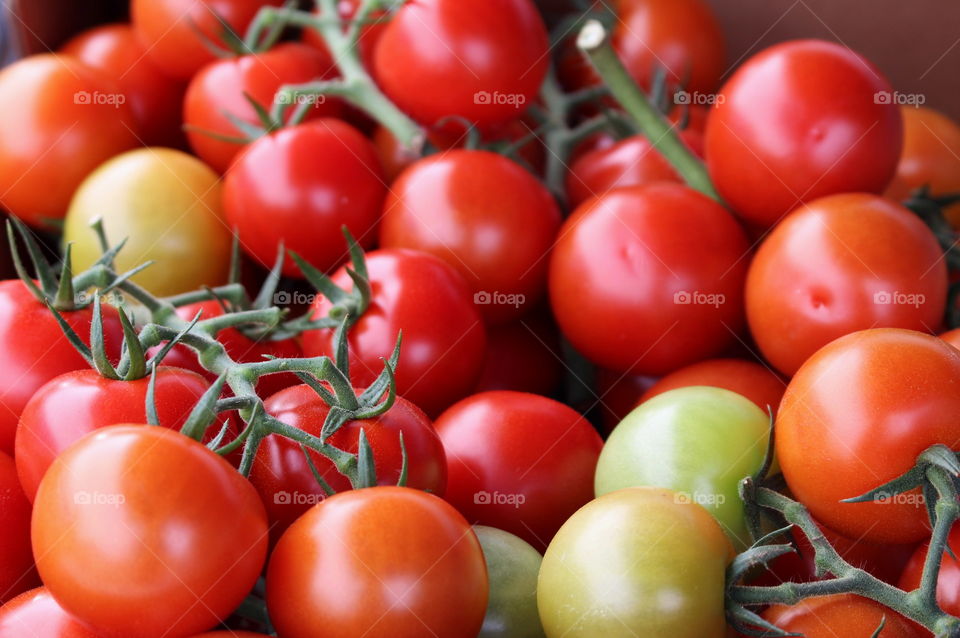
(512, 566)
(642, 561)
(698, 441)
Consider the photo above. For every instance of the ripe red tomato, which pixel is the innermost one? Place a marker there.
(840, 264)
(857, 415)
(36, 614)
(518, 462)
(154, 98)
(17, 573)
(369, 34)
(299, 186)
(425, 576)
(839, 615)
(948, 582)
(223, 86)
(485, 216)
(798, 121)
(173, 31)
(61, 119)
(179, 535)
(523, 356)
(443, 335)
(757, 382)
(33, 350)
(285, 481)
(483, 60)
(632, 287)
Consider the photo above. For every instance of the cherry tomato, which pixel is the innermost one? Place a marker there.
(523, 356)
(173, 31)
(948, 581)
(61, 120)
(483, 60)
(223, 87)
(17, 573)
(154, 98)
(840, 264)
(178, 534)
(754, 381)
(512, 566)
(443, 335)
(299, 186)
(485, 216)
(404, 564)
(36, 614)
(844, 615)
(857, 415)
(519, 462)
(634, 290)
(799, 121)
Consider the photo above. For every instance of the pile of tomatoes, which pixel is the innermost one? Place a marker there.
(593, 351)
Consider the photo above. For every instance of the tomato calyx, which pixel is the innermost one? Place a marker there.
(346, 306)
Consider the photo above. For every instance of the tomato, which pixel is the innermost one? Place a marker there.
(223, 87)
(799, 121)
(173, 31)
(167, 205)
(300, 185)
(443, 335)
(33, 349)
(285, 481)
(485, 216)
(840, 264)
(857, 415)
(753, 380)
(394, 157)
(844, 615)
(519, 462)
(94, 402)
(523, 355)
(483, 60)
(512, 566)
(153, 97)
(36, 614)
(948, 581)
(952, 337)
(17, 573)
(634, 290)
(61, 119)
(653, 563)
(175, 531)
(369, 34)
(405, 565)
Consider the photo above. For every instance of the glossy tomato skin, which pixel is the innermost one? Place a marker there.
(33, 350)
(841, 264)
(430, 560)
(752, 380)
(856, 415)
(285, 481)
(36, 614)
(839, 615)
(483, 60)
(222, 86)
(300, 185)
(176, 530)
(647, 279)
(519, 462)
(523, 355)
(153, 97)
(484, 215)
(93, 402)
(443, 334)
(168, 29)
(61, 119)
(17, 573)
(948, 581)
(663, 557)
(799, 121)
(512, 567)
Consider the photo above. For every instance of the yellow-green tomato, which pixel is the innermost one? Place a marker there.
(166, 204)
(698, 441)
(512, 566)
(642, 561)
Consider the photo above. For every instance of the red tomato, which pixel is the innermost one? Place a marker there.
(483, 60)
(285, 481)
(443, 335)
(173, 31)
(178, 534)
(402, 564)
(857, 415)
(222, 87)
(393, 156)
(840, 264)
(952, 337)
(94, 402)
(299, 186)
(948, 582)
(154, 98)
(17, 573)
(844, 615)
(798, 121)
(485, 216)
(518, 462)
(523, 356)
(33, 350)
(61, 119)
(632, 287)
(755, 381)
(35, 614)
(369, 34)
